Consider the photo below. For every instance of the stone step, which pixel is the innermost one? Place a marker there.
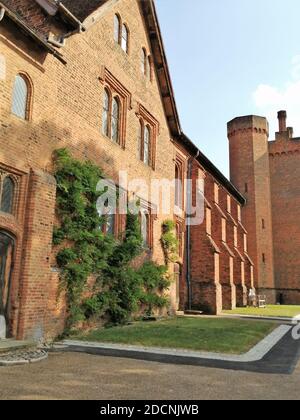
(9, 345)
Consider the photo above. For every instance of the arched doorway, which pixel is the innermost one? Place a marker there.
(6, 264)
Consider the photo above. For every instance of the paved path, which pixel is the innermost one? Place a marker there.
(82, 376)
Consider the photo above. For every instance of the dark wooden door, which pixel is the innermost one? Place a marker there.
(6, 264)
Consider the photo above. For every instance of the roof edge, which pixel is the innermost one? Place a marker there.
(211, 168)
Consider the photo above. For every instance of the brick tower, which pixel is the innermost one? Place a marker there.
(250, 173)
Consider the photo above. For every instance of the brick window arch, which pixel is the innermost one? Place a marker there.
(22, 96)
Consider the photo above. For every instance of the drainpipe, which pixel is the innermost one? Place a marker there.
(188, 239)
(2, 13)
(70, 15)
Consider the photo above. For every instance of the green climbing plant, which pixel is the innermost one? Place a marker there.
(83, 248)
(169, 241)
(120, 289)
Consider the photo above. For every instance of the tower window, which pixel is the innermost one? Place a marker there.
(264, 258)
(246, 188)
(263, 223)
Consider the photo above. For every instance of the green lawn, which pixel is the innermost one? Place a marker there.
(270, 311)
(231, 336)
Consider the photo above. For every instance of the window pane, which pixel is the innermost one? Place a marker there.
(124, 39)
(144, 227)
(110, 224)
(147, 146)
(149, 68)
(178, 187)
(117, 29)
(115, 120)
(7, 197)
(20, 97)
(105, 114)
(140, 139)
(143, 61)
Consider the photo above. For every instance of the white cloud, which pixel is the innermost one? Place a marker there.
(270, 99)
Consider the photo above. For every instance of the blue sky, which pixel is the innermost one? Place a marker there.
(229, 58)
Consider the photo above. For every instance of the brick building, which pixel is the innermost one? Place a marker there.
(92, 76)
(267, 172)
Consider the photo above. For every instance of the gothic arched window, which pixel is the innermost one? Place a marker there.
(117, 28)
(115, 120)
(105, 113)
(147, 145)
(7, 195)
(125, 39)
(144, 61)
(21, 97)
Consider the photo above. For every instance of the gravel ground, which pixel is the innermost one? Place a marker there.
(81, 377)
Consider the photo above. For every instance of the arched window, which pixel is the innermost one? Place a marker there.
(110, 223)
(147, 145)
(21, 97)
(144, 61)
(115, 120)
(105, 113)
(140, 139)
(177, 186)
(149, 68)
(7, 195)
(125, 38)
(117, 29)
(145, 227)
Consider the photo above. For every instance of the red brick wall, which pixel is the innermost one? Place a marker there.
(67, 112)
(285, 188)
(217, 280)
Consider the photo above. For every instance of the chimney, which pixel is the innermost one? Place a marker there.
(282, 116)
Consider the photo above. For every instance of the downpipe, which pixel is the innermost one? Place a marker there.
(189, 193)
